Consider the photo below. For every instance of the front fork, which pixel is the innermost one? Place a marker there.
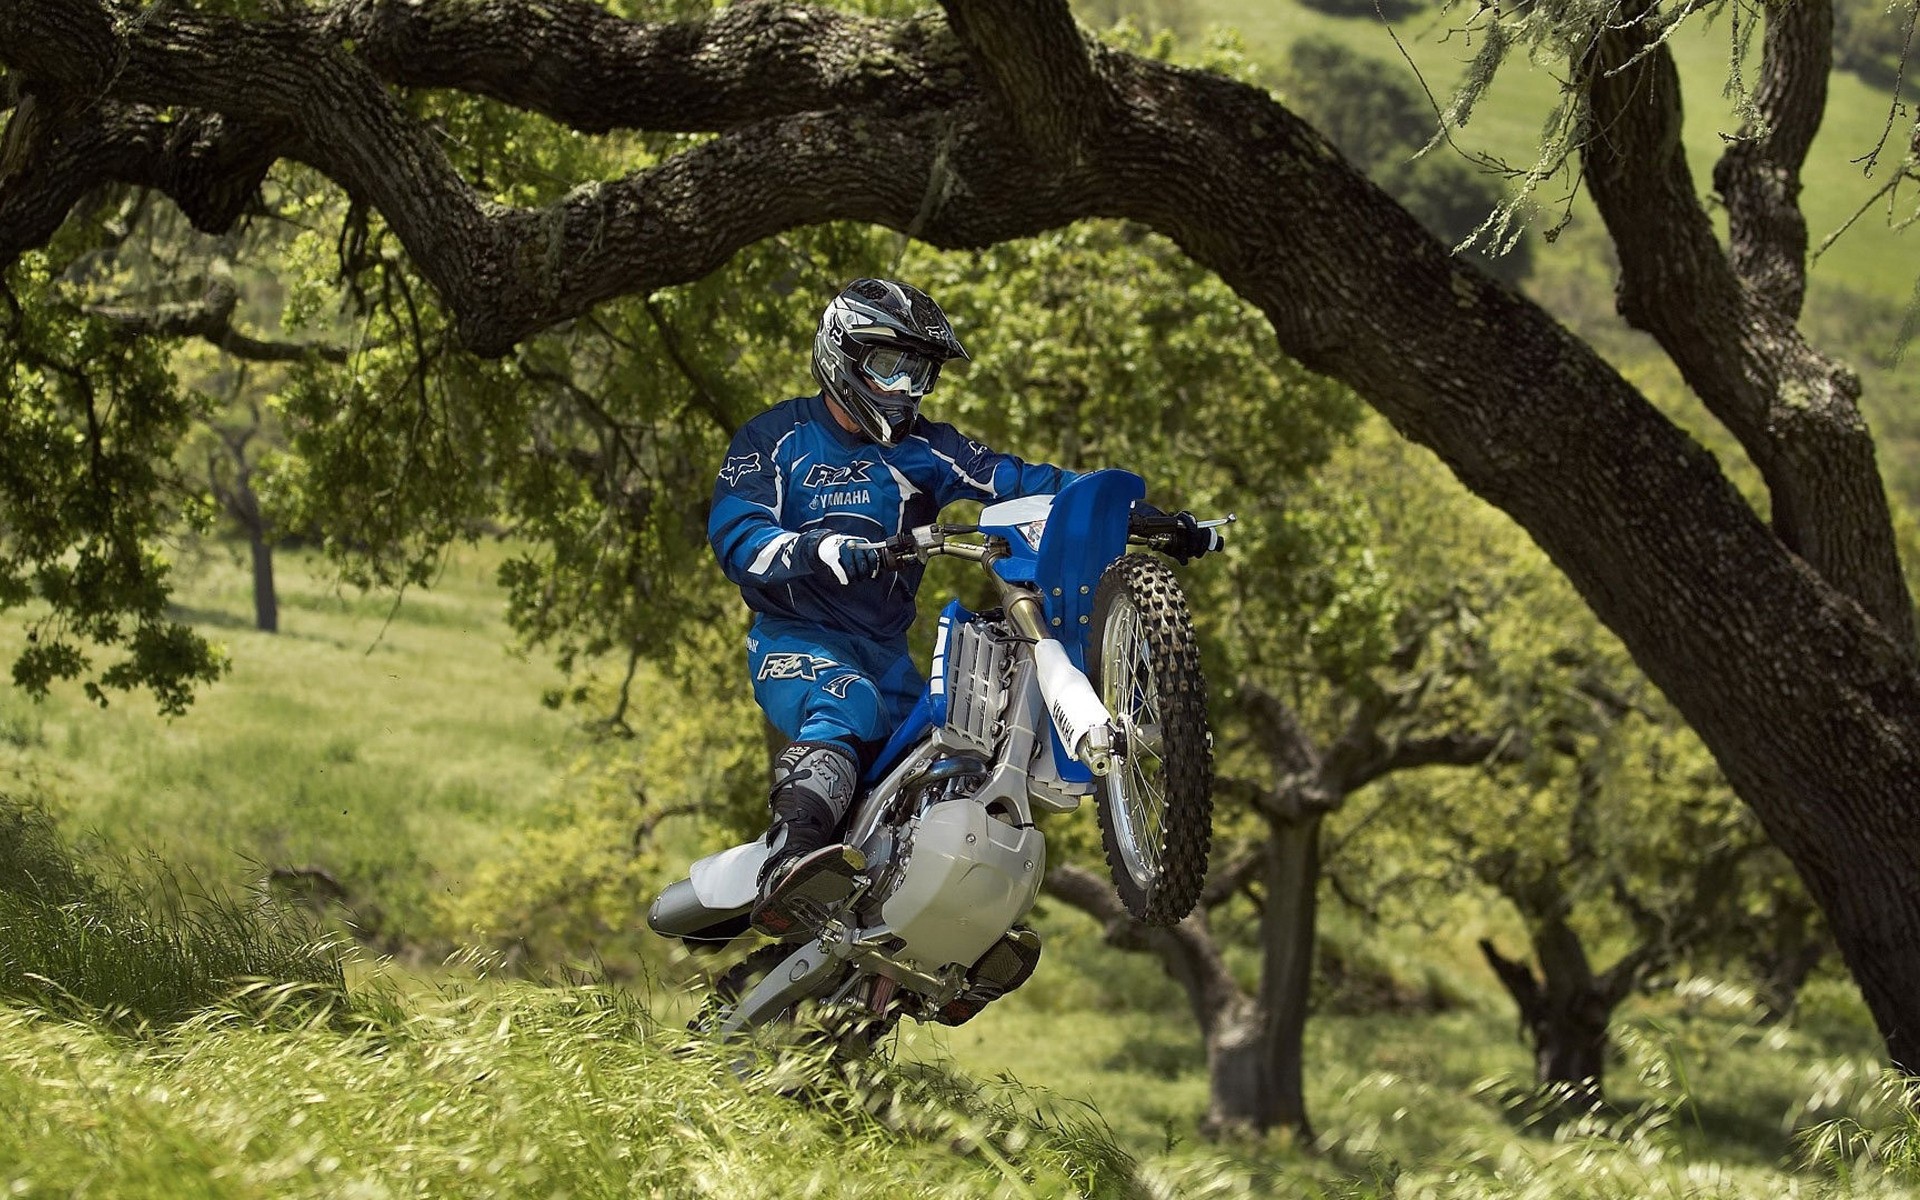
(1082, 720)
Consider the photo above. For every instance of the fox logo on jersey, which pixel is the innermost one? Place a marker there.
(826, 475)
(793, 666)
(740, 465)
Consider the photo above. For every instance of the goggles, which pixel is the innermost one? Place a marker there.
(900, 371)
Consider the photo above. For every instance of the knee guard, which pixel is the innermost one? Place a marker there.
(825, 771)
(813, 785)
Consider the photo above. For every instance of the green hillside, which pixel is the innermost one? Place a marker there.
(1507, 123)
(394, 754)
(431, 738)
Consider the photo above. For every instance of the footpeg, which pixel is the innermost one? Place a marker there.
(803, 895)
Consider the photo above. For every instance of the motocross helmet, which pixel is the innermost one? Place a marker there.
(878, 352)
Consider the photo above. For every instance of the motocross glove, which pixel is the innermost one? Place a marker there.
(838, 556)
(1179, 534)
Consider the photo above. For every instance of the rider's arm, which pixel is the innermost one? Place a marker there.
(743, 526)
(970, 471)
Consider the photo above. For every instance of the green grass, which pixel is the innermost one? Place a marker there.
(394, 755)
(72, 944)
(435, 745)
(519, 1089)
(510, 1091)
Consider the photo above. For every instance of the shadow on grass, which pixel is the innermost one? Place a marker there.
(1163, 1052)
(215, 618)
(1734, 1133)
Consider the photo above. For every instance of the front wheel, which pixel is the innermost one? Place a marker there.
(1156, 805)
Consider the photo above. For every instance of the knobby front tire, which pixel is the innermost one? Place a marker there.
(1156, 805)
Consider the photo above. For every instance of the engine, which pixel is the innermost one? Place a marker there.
(956, 876)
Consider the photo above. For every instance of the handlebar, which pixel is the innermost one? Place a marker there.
(923, 542)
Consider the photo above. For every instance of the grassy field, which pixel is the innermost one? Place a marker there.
(405, 756)
(394, 755)
(518, 1091)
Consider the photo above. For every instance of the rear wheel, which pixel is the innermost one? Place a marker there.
(1156, 805)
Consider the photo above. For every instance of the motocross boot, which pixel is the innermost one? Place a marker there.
(1004, 967)
(807, 870)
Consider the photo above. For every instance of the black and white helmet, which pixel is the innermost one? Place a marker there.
(878, 351)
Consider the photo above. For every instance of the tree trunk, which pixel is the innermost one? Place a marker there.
(1237, 1082)
(1786, 952)
(1254, 1046)
(1564, 1011)
(1232, 1024)
(1286, 980)
(266, 603)
(1781, 980)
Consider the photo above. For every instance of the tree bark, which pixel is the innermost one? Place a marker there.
(1564, 1012)
(1787, 648)
(1727, 316)
(266, 602)
(1287, 928)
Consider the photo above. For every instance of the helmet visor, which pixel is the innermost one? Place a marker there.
(900, 372)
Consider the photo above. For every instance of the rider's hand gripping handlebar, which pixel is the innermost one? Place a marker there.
(922, 542)
(1177, 534)
(906, 547)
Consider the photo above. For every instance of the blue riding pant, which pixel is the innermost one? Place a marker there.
(819, 684)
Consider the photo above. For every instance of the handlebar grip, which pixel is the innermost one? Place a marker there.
(898, 551)
(1177, 534)
(1144, 525)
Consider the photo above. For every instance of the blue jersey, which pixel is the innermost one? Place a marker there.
(793, 469)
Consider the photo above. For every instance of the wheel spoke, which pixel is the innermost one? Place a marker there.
(1155, 805)
(1131, 696)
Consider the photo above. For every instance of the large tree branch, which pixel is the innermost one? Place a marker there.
(1186, 950)
(1282, 740)
(211, 166)
(1758, 175)
(581, 65)
(1729, 324)
(1455, 748)
(507, 273)
(1042, 68)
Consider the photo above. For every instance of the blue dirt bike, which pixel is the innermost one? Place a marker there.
(1085, 681)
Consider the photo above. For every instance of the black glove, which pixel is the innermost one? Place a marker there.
(1178, 534)
(1189, 541)
(836, 556)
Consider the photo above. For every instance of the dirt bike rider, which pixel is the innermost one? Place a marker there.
(803, 484)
